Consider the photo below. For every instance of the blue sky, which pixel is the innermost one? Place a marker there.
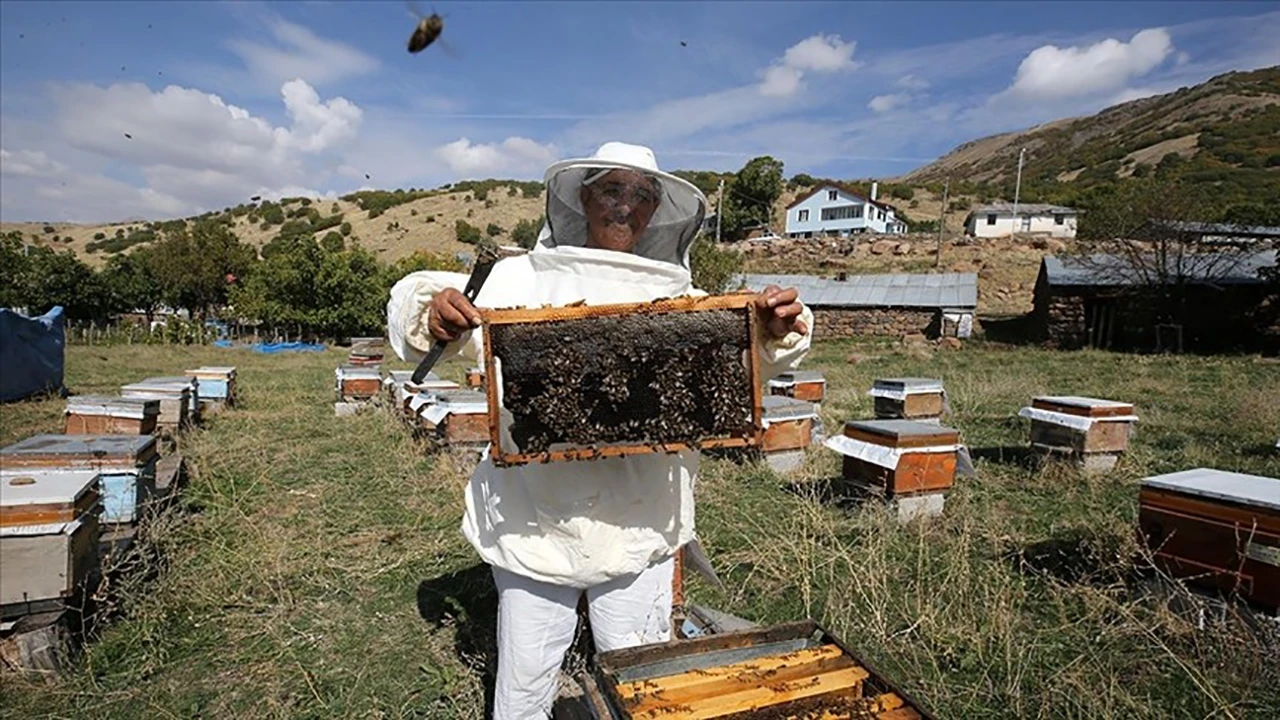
(225, 100)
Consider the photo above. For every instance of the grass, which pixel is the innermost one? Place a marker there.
(317, 569)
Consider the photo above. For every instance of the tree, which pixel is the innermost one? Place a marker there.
(332, 242)
(193, 265)
(713, 267)
(466, 232)
(494, 230)
(345, 229)
(525, 233)
(131, 283)
(803, 180)
(55, 278)
(749, 198)
(14, 260)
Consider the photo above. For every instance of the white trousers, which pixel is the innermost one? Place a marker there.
(536, 621)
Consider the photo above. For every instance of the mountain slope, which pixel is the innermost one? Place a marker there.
(1225, 131)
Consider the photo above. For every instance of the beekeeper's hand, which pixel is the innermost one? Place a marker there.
(451, 314)
(780, 310)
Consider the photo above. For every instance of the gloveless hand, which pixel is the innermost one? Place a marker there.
(780, 310)
(451, 315)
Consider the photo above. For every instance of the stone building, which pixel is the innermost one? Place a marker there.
(1214, 302)
(883, 305)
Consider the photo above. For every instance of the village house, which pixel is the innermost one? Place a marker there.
(846, 306)
(993, 221)
(830, 210)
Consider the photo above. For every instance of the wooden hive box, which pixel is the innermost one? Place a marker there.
(355, 383)
(175, 399)
(48, 535)
(216, 384)
(788, 423)
(904, 457)
(908, 398)
(193, 386)
(586, 382)
(107, 415)
(126, 465)
(366, 351)
(475, 377)
(1080, 424)
(807, 385)
(793, 670)
(458, 417)
(1216, 529)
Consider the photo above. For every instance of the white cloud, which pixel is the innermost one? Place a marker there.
(885, 103)
(818, 53)
(29, 163)
(912, 82)
(1052, 73)
(298, 52)
(513, 156)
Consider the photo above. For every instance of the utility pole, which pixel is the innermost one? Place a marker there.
(942, 219)
(719, 209)
(1017, 190)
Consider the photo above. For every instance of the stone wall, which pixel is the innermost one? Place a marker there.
(1064, 321)
(835, 322)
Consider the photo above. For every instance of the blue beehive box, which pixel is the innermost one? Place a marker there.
(217, 384)
(126, 465)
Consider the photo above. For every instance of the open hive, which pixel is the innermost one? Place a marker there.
(583, 382)
(903, 457)
(807, 385)
(1216, 529)
(796, 670)
(106, 415)
(48, 535)
(126, 464)
(908, 398)
(457, 417)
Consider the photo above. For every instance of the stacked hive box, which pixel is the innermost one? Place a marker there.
(48, 537)
(126, 465)
(1216, 529)
(354, 387)
(366, 352)
(106, 415)
(458, 418)
(475, 377)
(788, 431)
(919, 399)
(175, 401)
(1093, 433)
(913, 464)
(217, 386)
(193, 388)
(806, 385)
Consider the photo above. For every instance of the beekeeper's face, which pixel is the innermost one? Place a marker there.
(618, 206)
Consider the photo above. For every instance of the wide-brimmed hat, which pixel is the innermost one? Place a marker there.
(671, 231)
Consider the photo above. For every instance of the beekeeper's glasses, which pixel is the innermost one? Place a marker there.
(618, 192)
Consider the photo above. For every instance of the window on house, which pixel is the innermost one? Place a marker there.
(1058, 220)
(991, 219)
(842, 212)
(832, 195)
(803, 216)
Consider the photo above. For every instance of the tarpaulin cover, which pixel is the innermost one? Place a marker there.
(271, 348)
(31, 353)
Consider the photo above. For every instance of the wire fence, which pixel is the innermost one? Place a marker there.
(173, 331)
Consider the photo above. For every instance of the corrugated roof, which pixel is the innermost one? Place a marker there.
(1023, 209)
(1113, 270)
(943, 290)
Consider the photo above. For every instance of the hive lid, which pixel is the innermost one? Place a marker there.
(359, 371)
(168, 386)
(778, 408)
(1083, 406)
(53, 450)
(462, 396)
(432, 385)
(212, 371)
(39, 486)
(799, 376)
(910, 386)
(113, 405)
(53, 528)
(901, 433)
(1233, 487)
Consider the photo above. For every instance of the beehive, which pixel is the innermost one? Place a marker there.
(475, 377)
(48, 535)
(357, 383)
(217, 384)
(126, 465)
(1080, 426)
(175, 401)
(366, 351)
(601, 381)
(793, 670)
(106, 415)
(457, 417)
(903, 457)
(807, 385)
(788, 423)
(909, 399)
(1216, 529)
(193, 386)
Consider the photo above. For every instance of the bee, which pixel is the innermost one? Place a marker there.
(429, 28)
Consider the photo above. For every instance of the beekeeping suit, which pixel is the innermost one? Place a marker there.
(608, 527)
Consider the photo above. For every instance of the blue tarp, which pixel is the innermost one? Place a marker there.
(31, 353)
(271, 348)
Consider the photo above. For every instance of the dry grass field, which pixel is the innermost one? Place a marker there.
(315, 568)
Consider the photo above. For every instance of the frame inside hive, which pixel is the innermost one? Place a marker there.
(584, 382)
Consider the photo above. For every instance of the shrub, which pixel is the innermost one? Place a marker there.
(902, 192)
(413, 212)
(466, 232)
(525, 233)
(48, 229)
(332, 242)
(494, 230)
(345, 229)
(99, 236)
(335, 210)
(713, 267)
(306, 201)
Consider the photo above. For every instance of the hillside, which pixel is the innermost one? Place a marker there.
(1223, 133)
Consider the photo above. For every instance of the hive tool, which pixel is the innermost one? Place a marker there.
(487, 254)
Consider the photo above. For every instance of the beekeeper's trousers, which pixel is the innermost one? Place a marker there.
(536, 622)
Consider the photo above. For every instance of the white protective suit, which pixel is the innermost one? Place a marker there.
(581, 524)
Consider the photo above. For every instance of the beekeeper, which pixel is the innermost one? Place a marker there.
(617, 230)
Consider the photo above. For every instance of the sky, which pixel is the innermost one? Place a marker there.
(116, 111)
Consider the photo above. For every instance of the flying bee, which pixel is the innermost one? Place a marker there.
(429, 28)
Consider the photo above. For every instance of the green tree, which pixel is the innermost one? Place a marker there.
(16, 264)
(55, 278)
(714, 268)
(131, 282)
(466, 232)
(803, 180)
(494, 230)
(193, 264)
(525, 233)
(332, 242)
(749, 198)
(345, 229)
